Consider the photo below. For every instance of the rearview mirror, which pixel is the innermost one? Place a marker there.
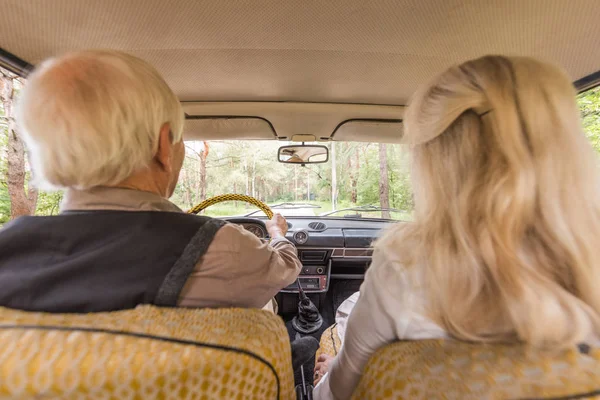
(303, 154)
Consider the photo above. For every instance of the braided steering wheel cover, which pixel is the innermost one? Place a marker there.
(232, 197)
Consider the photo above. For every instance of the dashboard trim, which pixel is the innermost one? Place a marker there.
(368, 250)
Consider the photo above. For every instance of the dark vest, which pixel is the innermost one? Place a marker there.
(100, 260)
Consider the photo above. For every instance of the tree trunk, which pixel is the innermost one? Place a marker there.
(254, 176)
(247, 171)
(257, 190)
(384, 187)
(186, 193)
(22, 200)
(334, 193)
(307, 184)
(202, 177)
(197, 181)
(235, 203)
(203, 156)
(187, 190)
(354, 168)
(295, 183)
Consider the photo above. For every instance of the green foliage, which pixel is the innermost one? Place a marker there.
(368, 178)
(48, 203)
(589, 104)
(400, 183)
(4, 205)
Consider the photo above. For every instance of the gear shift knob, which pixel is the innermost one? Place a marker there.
(308, 320)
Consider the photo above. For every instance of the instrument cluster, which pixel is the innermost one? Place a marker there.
(256, 229)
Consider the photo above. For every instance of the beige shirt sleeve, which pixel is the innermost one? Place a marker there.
(240, 270)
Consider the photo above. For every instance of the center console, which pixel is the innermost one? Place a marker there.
(316, 271)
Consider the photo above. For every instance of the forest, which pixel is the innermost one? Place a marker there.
(357, 175)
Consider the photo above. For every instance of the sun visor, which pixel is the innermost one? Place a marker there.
(365, 130)
(227, 128)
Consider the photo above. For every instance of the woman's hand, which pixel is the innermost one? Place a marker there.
(322, 367)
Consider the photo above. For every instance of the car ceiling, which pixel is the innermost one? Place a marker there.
(312, 51)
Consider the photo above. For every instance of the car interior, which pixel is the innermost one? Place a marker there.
(300, 73)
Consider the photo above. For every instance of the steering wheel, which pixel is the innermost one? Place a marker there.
(232, 197)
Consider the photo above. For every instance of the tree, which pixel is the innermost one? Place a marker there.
(295, 183)
(307, 184)
(353, 166)
(589, 105)
(23, 197)
(384, 186)
(334, 192)
(202, 170)
(185, 185)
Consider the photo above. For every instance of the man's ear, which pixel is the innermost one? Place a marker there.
(163, 154)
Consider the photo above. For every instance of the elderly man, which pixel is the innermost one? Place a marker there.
(105, 127)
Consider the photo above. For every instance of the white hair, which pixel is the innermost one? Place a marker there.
(93, 118)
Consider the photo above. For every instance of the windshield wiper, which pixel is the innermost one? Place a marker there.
(286, 206)
(295, 205)
(368, 208)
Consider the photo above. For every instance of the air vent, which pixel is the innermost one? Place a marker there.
(317, 226)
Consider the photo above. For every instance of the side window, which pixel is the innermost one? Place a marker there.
(589, 104)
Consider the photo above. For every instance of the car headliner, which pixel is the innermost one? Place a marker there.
(277, 60)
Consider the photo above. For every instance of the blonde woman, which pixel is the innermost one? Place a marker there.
(504, 246)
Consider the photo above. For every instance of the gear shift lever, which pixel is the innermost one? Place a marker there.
(309, 319)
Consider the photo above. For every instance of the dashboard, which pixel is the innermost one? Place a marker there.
(329, 248)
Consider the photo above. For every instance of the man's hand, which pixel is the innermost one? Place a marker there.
(322, 367)
(277, 226)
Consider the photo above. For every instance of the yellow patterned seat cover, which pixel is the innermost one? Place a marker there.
(448, 369)
(145, 353)
(330, 342)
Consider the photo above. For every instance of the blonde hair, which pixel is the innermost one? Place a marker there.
(507, 230)
(93, 118)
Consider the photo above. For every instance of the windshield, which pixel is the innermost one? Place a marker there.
(361, 180)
